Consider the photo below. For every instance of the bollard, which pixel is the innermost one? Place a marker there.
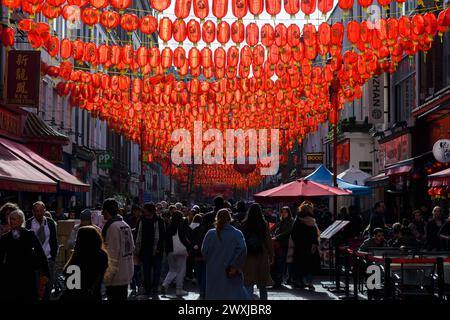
(440, 273)
(355, 275)
(387, 278)
(347, 273)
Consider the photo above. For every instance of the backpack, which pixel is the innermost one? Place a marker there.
(254, 243)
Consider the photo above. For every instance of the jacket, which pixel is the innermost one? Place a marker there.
(53, 241)
(145, 246)
(183, 233)
(120, 246)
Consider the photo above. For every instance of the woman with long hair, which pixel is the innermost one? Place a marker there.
(281, 234)
(259, 251)
(90, 256)
(224, 251)
(305, 235)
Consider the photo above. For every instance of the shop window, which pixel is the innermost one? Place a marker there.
(366, 166)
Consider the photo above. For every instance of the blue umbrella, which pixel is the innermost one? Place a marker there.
(324, 176)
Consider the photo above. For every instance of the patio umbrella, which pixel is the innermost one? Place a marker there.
(324, 176)
(292, 191)
(355, 176)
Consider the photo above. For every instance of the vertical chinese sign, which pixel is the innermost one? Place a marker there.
(23, 78)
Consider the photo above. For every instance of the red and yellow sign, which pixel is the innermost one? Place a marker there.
(9, 124)
(23, 78)
(343, 152)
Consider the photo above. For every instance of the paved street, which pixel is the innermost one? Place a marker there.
(286, 292)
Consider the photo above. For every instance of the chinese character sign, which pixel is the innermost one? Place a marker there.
(23, 78)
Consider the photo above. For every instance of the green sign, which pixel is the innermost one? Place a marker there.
(104, 160)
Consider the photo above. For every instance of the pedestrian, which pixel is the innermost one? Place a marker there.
(225, 253)
(120, 246)
(444, 235)
(90, 256)
(177, 245)
(417, 226)
(85, 220)
(133, 217)
(150, 243)
(377, 219)
(377, 240)
(432, 230)
(45, 230)
(5, 210)
(22, 261)
(259, 252)
(241, 211)
(197, 235)
(281, 235)
(305, 235)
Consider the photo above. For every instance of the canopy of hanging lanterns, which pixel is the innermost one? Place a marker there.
(274, 76)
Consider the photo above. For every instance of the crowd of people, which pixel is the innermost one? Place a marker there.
(226, 250)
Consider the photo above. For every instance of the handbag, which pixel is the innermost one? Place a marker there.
(178, 247)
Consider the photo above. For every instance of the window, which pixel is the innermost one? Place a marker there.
(366, 166)
(405, 98)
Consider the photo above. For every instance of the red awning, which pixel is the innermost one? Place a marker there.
(17, 175)
(439, 179)
(66, 181)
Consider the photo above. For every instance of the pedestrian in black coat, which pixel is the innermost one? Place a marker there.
(21, 261)
(305, 235)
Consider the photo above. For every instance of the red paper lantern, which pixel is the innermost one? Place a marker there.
(165, 29)
(232, 56)
(179, 31)
(220, 8)
(194, 57)
(193, 31)
(8, 37)
(154, 57)
(52, 46)
(129, 22)
(256, 7)
(120, 4)
(11, 4)
(208, 32)
(65, 49)
(292, 7)
(179, 57)
(239, 8)
(90, 16)
(142, 56)
(273, 7)
(237, 32)
(280, 35)
(98, 4)
(51, 12)
(148, 25)
(365, 3)
(346, 5)
(293, 35)
(201, 9)
(71, 13)
(325, 6)
(182, 8)
(206, 57)
(353, 32)
(337, 34)
(308, 7)
(252, 34)
(166, 58)
(384, 3)
(220, 57)
(110, 19)
(258, 55)
(223, 32)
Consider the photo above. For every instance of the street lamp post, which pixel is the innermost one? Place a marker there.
(141, 156)
(334, 90)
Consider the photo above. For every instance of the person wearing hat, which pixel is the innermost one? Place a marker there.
(85, 220)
